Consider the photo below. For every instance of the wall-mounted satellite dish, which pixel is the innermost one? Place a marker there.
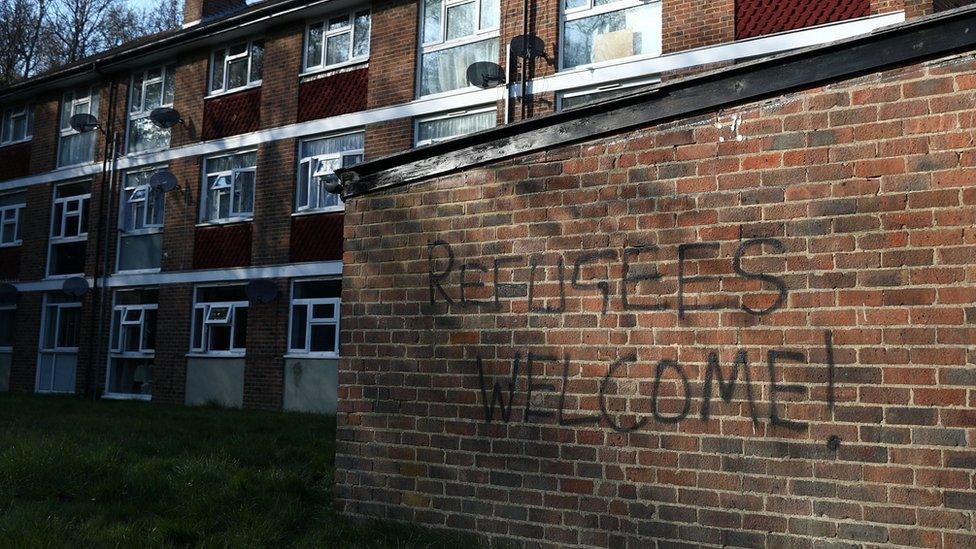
(528, 46)
(261, 291)
(163, 181)
(485, 74)
(165, 117)
(83, 122)
(8, 294)
(333, 184)
(75, 286)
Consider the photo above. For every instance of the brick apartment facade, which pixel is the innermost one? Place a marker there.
(736, 311)
(265, 93)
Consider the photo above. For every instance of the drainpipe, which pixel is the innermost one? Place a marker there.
(525, 60)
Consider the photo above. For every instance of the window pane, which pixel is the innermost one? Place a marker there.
(573, 4)
(146, 136)
(312, 289)
(209, 294)
(323, 311)
(460, 21)
(240, 327)
(116, 330)
(432, 21)
(131, 376)
(445, 128)
(244, 193)
(489, 14)
(8, 233)
(361, 35)
(611, 36)
(237, 73)
(337, 49)
(219, 337)
(313, 46)
(76, 148)
(131, 338)
(299, 322)
(446, 70)
(49, 338)
(154, 95)
(257, 60)
(301, 198)
(169, 85)
(64, 373)
(217, 81)
(68, 327)
(7, 327)
(198, 328)
(140, 252)
(338, 23)
(149, 330)
(68, 258)
(323, 338)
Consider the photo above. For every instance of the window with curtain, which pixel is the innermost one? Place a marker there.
(58, 354)
(75, 147)
(596, 31)
(442, 127)
(140, 223)
(18, 124)
(133, 343)
(220, 320)
(236, 67)
(228, 188)
(455, 34)
(319, 158)
(149, 90)
(339, 40)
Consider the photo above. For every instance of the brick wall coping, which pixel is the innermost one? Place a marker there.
(917, 40)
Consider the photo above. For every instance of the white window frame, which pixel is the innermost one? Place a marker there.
(14, 213)
(165, 72)
(211, 92)
(9, 113)
(607, 87)
(55, 351)
(442, 116)
(66, 131)
(148, 228)
(425, 47)
(118, 331)
(306, 163)
(233, 217)
(590, 10)
(206, 306)
(54, 239)
(6, 348)
(309, 322)
(326, 34)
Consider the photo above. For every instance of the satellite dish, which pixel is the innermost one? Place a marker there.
(485, 74)
(83, 122)
(165, 117)
(8, 294)
(163, 181)
(75, 286)
(528, 46)
(261, 291)
(333, 184)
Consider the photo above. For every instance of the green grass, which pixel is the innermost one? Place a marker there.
(78, 473)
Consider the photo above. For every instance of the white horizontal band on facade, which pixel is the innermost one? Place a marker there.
(243, 274)
(611, 72)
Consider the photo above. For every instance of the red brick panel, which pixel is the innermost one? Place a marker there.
(10, 263)
(316, 237)
(759, 17)
(751, 328)
(340, 93)
(15, 161)
(232, 114)
(222, 246)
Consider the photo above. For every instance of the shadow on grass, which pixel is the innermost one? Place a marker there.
(78, 473)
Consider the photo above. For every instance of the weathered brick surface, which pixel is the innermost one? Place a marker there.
(544, 349)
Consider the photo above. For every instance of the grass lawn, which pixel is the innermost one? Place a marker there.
(78, 473)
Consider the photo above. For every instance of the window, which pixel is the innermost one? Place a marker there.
(236, 67)
(314, 326)
(150, 89)
(140, 223)
(74, 147)
(603, 30)
(455, 34)
(8, 315)
(339, 40)
(60, 332)
(442, 127)
(228, 193)
(133, 343)
(69, 229)
(321, 157)
(220, 320)
(12, 219)
(589, 96)
(18, 124)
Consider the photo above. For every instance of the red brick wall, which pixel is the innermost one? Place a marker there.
(691, 24)
(267, 336)
(392, 73)
(758, 17)
(826, 236)
(332, 95)
(222, 246)
(10, 263)
(15, 160)
(316, 238)
(232, 114)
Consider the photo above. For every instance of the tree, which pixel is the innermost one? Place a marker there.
(21, 29)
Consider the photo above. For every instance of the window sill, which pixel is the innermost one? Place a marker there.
(12, 244)
(7, 349)
(222, 222)
(306, 213)
(64, 276)
(311, 356)
(124, 396)
(337, 67)
(604, 64)
(212, 95)
(40, 392)
(18, 142)
(138, 272)
(215, 355)
(481, 36)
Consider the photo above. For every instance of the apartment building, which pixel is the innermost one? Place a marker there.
(223, 284)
